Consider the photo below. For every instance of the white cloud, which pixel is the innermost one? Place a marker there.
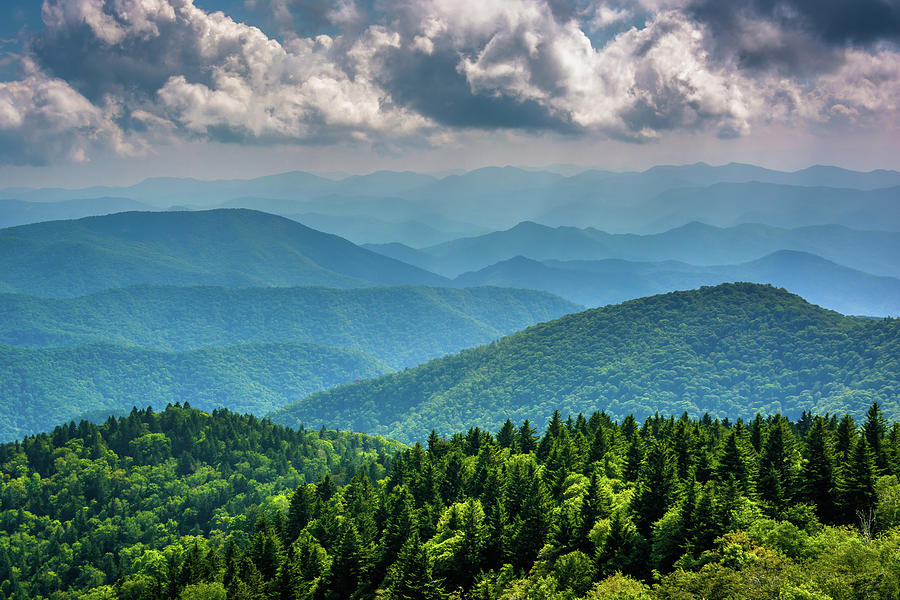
(43, 119)
(158, 68)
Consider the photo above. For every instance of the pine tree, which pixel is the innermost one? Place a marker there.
(527, 438)
(874, 429)
(819, 471)
(596, 504)
(411, 577)
(300, 512)
(346, 568)
(733, 466)
(778, 470)
(619, 551)
(846, 436)
(858, 487)
(656, 486)
(399, 525)
(506, 437)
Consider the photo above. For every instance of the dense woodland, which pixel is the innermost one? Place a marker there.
(250, 350)
(732, 350)
(400, 326)
(189, 505)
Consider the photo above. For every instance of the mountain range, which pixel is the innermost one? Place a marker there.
(421, 209)
(695, 243)
(611, 281)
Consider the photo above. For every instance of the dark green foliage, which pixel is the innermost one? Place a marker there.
(733, 350)
(183, 504)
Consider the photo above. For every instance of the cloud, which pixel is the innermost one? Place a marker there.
(795, 36)
(513, 63)
(124, 75)
(43, 119)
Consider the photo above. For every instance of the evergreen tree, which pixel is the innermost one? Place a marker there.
(858, 487)
(819, 484)
(506, 437)
(411, 577)
(527, 438)
(732, 465)
(300, 512)
(874, 430)
(778, 470)
(656, 486)
(846, 436)
(346, 568)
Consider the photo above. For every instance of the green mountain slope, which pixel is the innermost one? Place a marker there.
(400, 326)
(610, 281)
(731, 350)
(39, 387)
(235, 248)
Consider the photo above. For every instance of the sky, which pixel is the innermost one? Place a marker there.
(113, 91)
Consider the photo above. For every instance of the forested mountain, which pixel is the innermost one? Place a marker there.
(39, 387)
(235, 248)
(186, 505)
(730, 350)
(400, 326)
(696, 243)
(610, 281)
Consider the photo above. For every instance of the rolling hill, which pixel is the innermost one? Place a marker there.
(400, 326)
(233, 248)
(730, 350)
(610, 281)
(40, 387)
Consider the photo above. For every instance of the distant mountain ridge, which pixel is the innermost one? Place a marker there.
(730, 350)
(233, 248)
(492, 198)
(696, 243)
(610, 281)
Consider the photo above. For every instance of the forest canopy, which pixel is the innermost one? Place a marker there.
(187, 505)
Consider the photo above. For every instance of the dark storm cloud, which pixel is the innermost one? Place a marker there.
(796, 36)
(433, 86)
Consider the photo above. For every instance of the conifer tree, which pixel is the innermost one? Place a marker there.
(874, 429)
(656, 486)
(346, 568)
(411, 576)
(506, 437)
(732, 465)
(527, 438)
(778, 470)
(300, 512)
(845, 437)
(819, 482)
(858, 486)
